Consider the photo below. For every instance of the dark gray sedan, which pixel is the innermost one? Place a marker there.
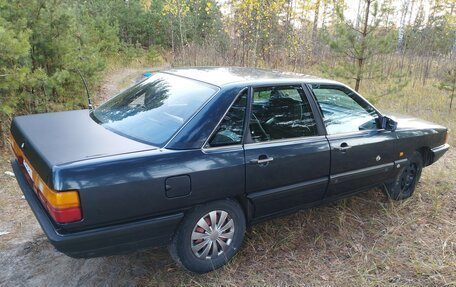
(189, 157)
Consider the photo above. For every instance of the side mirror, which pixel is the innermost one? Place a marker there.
(388, 124)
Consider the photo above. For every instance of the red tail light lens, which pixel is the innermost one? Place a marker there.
(63, 206)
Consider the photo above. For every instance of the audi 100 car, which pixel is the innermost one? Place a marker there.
(188, 157)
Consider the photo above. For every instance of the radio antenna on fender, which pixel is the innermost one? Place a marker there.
(86, 88)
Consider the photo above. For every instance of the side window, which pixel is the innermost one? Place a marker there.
(343, 111)
(231, 128)
(279, 113)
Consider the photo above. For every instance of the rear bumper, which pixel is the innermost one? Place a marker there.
(439, 151)
(116, 239)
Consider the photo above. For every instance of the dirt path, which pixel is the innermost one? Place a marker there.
(118, 80)
(28, 259)
(114, 82)
(362, 241)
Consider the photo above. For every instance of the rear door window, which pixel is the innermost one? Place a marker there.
(281, 112)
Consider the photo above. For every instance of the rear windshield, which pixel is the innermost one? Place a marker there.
(154, 109)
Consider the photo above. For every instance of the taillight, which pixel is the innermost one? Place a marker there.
(15, 149)
(446, 136)
(63, 206)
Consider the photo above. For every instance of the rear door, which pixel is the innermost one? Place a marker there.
(286, 153)
(362, 154)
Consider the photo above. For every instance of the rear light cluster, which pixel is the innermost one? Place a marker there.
(63, 206)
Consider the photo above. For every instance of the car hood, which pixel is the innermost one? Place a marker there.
(53, 139)
(409, 122)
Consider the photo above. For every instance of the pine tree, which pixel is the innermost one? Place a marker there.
(14, 51)
(356, 47)
(448, 83)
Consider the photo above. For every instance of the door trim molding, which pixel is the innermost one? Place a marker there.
(363, 172)
(287, 190)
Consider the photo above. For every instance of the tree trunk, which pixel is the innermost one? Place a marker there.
(412, 5)
(173, 48)
(451, 98)
(357, 15)
(179, 11)
(452, 91)
(315, 28)
(400, 36)
(360, 59)
(325, 14)
(2, 141)
(288, 27)
(453, 50)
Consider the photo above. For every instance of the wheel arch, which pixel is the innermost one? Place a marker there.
(245, 204)
(426, 155)
(247, 207)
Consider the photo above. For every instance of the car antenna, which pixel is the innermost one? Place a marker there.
(86, 88)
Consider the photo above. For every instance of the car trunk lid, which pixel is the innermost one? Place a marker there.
(52, 139)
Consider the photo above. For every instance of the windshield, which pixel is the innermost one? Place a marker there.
(154, 109)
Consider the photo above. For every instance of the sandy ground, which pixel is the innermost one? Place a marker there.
(364, 240)
(28, 259)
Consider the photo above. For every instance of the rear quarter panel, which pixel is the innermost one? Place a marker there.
(129, 187)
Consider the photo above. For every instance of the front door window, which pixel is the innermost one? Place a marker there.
(343, 111)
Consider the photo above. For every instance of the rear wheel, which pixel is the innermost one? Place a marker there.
(209, 236)
(405, 183)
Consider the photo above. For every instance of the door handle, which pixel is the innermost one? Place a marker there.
(343, 147)
(262, 160)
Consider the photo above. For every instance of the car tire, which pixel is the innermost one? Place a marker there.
(405, 183)
(209, 236)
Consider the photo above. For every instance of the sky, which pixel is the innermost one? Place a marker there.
(352, 9)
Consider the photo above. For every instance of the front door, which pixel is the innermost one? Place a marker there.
(287, 157)
(362, 154)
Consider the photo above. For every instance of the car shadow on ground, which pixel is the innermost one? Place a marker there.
(37, 263)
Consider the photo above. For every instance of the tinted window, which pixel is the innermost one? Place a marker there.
(281, 113)
(153, 110)
(343, 111)
(231, 129)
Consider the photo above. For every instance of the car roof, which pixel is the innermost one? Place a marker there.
(221, 76)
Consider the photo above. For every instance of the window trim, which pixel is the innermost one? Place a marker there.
(318, 120)
(342, 87)
(205, 146)
(286, 140)
(355, 133)
(315, 109)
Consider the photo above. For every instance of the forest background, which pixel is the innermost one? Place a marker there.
(379, 47)
(400, 54)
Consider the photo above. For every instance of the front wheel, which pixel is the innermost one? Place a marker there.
(405, 183)
(209, 236)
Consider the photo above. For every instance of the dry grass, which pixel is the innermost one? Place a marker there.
(361, 241)
(365, 240)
